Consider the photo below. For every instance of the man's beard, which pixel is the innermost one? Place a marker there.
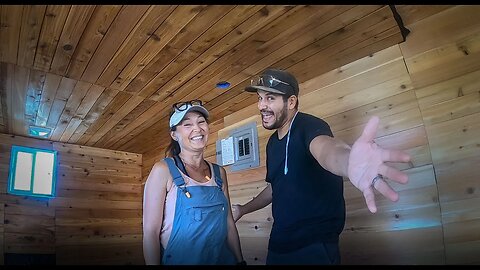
(282, 116)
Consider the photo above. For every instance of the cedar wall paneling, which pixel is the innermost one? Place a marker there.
(426, 93)
(95, 217)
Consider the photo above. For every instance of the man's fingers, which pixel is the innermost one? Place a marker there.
(384, 188)
(370, 199)
(370, 130)
(393, 174)
(394, 156)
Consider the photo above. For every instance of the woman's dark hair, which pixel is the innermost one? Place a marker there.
(173, 148)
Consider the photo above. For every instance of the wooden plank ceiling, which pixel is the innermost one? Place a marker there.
(107, 75)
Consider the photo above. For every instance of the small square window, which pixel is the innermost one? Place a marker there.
(32, 172)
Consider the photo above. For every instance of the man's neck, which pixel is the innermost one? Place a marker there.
(283, 130)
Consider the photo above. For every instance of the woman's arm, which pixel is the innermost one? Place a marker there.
(233, 239)
(153, 206)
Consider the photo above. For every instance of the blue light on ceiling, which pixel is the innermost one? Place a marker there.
(223, 85)
(41, 132)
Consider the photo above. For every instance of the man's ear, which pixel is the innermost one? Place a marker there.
(173, 135)
(292, 101)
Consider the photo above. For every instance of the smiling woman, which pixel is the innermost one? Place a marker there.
(186, 198)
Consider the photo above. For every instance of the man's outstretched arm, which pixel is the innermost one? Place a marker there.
(363, 163)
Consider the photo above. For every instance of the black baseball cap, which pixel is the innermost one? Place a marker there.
(275, 81)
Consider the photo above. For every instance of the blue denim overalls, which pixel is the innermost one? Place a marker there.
(199, 233)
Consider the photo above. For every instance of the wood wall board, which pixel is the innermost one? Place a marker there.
(444, 54)
(451, 61)
(393, 76)
(357, 29)
(2, 230)
(422, 246)
(98, 160)
(462, 253)
(96, 152)
(457, 179)
(28, 210)
(98, 204)
(378, 42)
(31, 243)
(27, 224)
(97, 169)
(87, 209)
(100, 239)
(86, 221)
(461, 240)
(455, 139)
(32, 19)
(24, 201)
(456, 212)
(77, 20)
(101, 195)
(448, 90)
(400, 219)
(105, 254)
(411, 14)
(456, 108)
(8, 140)
(441, 29)
(255, 250)
(118, 31)
(52, 26)
(100, 183)
(69, 214)
(385, 107)
(93, 34)
(420, 192)
(388, 125)
(109, 229)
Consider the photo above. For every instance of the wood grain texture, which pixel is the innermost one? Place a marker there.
(97, 205)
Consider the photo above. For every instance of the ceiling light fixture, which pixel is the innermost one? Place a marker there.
(223, 85)
(41, 132)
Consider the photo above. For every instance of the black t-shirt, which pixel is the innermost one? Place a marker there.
(308, 204)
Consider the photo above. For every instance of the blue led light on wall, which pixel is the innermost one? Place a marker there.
(32, 172)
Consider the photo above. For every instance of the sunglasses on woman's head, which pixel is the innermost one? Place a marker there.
(182, 106)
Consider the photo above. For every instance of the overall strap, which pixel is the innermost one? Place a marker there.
(218, 177)
(180, 165)
(177, 177)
